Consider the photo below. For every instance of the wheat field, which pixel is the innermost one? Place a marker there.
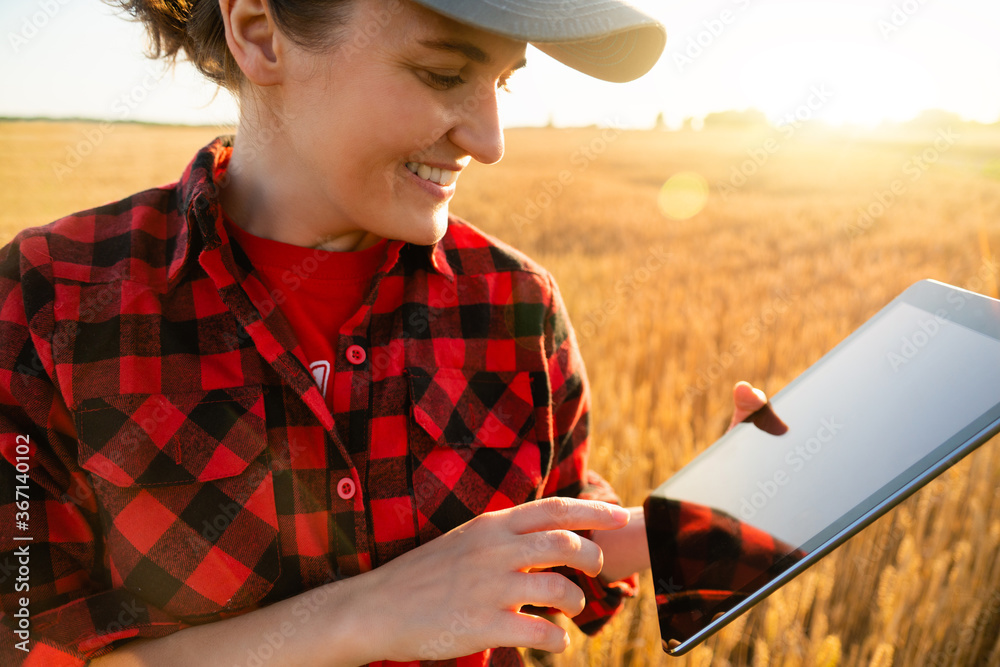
(780, 263)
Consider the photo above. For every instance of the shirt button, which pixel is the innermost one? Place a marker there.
(356, 354)
(345, 488)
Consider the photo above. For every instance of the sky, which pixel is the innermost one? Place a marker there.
(849, 61)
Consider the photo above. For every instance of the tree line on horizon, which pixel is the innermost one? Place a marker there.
(928, 119)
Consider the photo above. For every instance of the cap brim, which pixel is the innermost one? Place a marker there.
(620, 57)
(605, 39)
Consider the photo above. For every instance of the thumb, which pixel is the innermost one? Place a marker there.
(748, 398)
(751, 404)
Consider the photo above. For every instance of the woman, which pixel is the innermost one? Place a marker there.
(290, 411)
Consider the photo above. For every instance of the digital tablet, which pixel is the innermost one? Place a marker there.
(904, 397)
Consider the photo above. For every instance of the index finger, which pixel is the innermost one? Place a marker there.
(566, 514)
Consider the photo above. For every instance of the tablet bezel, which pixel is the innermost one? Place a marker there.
(969, 309)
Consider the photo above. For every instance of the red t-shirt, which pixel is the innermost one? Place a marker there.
(317, 291)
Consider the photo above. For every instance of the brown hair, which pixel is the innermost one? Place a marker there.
(196, 27)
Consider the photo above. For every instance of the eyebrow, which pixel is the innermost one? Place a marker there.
(468, 49)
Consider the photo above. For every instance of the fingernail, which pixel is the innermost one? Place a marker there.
(621, 515)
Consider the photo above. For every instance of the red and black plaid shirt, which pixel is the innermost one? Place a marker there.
(183, 465)
(704, 562)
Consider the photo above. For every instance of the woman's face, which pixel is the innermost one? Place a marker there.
(379, 129)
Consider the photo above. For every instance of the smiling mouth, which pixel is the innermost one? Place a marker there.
(443, 177)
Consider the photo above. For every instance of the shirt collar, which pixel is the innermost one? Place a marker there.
(199, 197)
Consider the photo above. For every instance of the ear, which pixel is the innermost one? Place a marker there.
(253, 39)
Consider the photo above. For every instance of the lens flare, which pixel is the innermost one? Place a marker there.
(684, 195)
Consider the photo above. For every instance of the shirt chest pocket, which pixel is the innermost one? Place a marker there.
(186, 496)
(474, 443)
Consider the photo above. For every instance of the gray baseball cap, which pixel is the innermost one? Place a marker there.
(607, 39)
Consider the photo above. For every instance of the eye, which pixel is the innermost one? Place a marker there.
(444, 82)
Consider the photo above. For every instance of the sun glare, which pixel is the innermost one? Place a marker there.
(863, 84)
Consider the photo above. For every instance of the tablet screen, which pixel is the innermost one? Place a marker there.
(889, 403)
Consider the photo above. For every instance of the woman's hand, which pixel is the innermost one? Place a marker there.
(462, 592)
(750, 402)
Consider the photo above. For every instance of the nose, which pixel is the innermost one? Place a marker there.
(478, 130)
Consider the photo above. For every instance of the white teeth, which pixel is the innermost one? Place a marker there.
(437, 175)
